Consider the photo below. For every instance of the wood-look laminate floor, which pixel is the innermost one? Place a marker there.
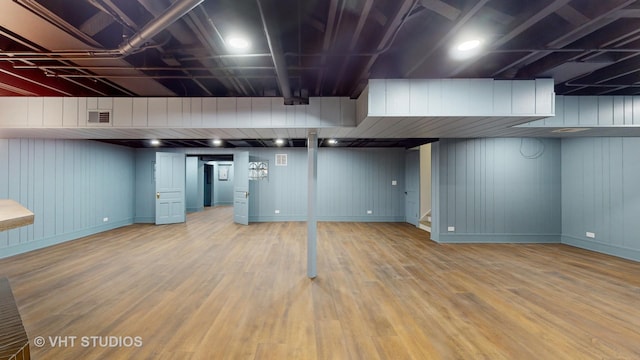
(210, 289)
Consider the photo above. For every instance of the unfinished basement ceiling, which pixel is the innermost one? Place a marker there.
(406, 143)
(303, 48)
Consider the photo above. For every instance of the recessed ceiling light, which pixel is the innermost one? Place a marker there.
(238, 43)
(216, 142)
(279, 142)
(154, 142)
(333, 141)
(469, 45)
(466, 49)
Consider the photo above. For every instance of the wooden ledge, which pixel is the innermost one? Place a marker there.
(14, 343)
(13, 215)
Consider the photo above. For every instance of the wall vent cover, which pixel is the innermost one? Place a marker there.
(99, 117)
(281, 159)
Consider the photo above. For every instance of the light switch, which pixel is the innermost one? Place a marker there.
(394, 182)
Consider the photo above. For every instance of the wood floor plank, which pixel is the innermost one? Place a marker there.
(211, 289)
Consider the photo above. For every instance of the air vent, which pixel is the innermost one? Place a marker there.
(99, 117)
(281, 159)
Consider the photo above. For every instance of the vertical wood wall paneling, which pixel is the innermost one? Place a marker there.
(599, 194)
(35, 111)
(157, 112)
(140, 112)
(70, 112)
(210, 115)
(122, 112)
(4, 183)
(52, 111)
(490, 192)
(592, 111)
(460, 97)
(436, 191)
(63, 181)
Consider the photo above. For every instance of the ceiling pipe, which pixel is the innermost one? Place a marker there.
(277, 55)
(171, 15)
(136, 42)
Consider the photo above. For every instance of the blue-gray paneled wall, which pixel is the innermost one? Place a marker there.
(499, 190)
(284, 190)
(145, 186)
(601, 194)
(351, 182)
(71, 186)
(222, 189)
(194, 184)
(435, 191)
(354, 181)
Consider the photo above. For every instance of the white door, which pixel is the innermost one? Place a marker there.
(170, 188)
(412, 187)
(241, 187)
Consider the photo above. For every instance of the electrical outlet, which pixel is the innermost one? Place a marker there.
(591, 235)
(105, 219)
(369, 212)
(394, 182)
(277, 211)
(451, 228)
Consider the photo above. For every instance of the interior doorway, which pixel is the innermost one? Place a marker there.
(209, 181)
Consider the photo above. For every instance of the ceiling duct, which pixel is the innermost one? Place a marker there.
(171, 15)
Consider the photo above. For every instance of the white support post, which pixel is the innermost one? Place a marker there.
(312, 221)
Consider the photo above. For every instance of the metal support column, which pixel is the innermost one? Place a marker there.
(312, 221)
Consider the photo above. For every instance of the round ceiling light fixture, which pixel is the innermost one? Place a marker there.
(469, 45)
(466, 49)
(154, 142)
(279, 142)
(216, 142)
(238, 43)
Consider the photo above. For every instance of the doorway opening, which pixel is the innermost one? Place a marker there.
(209, 181)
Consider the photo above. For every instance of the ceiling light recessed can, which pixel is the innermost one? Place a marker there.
(238, 43)
(333, 141)
(469, 45)
(279, 142)
(154, 142)
(216, 142)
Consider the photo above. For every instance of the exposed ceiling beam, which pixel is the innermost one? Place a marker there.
(460, 23)
(441, 8)
(572, 16)
(522, 24)
(209, 36)
(364, 15)
(392, 28)
(272, 33)
(32, 82)
(98, 22)
(326, 42)
(541, 61)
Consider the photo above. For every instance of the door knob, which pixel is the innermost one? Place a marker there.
(157, 195)
(246, 194)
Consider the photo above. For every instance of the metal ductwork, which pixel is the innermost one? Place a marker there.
(171, 15)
